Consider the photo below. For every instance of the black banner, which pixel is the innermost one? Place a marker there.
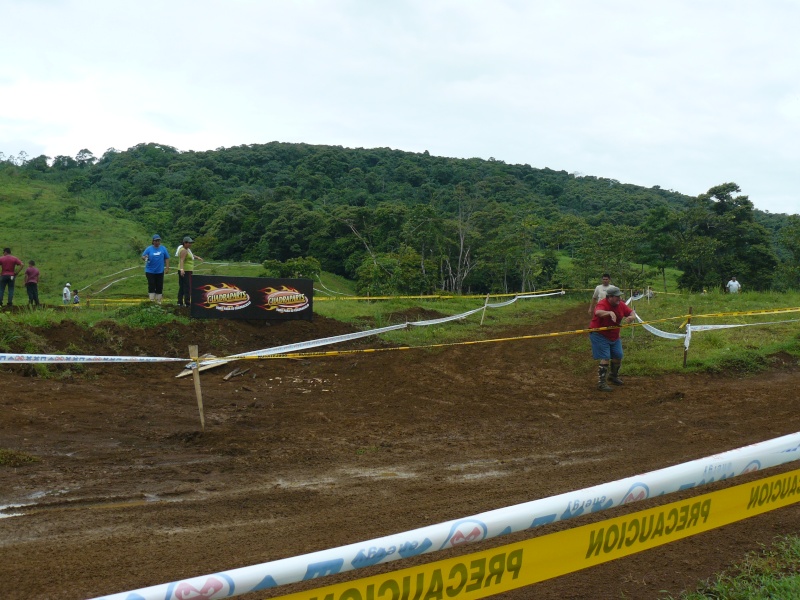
(220, 297)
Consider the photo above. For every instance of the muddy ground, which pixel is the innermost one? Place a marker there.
(299, 456)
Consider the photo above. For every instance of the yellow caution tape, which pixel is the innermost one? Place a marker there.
(427, 346)
(514, 566)
(438, 296)
(298, 355)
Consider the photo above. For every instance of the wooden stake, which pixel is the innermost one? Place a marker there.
(483, 315)
(685, 349)
(193, 354)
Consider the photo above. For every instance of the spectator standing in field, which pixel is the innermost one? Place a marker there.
(186, 260)
(10, 267)
(66, 294)
(32, 283)
(733, 286)
(600, 292)
(156, 265)
(611, 311)
(76, 300)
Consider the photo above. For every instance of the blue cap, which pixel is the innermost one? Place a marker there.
(156, 237)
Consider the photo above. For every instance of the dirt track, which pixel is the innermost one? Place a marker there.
(301, 456)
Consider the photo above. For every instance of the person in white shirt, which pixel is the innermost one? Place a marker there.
(733, 286)
(600, 292)
(66, 294)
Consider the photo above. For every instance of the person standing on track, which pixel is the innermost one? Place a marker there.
(599, 292)
(185, 269)
(611, 311)
(156, 261)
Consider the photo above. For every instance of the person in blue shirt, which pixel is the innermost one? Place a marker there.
(156, 265)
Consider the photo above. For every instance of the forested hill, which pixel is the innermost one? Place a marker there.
(401, 221)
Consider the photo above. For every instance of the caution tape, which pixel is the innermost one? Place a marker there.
(730, 326)
(513, 566)
(491, 524)
(293, 355)
(269, 352)
(81, 358)
(447, 296)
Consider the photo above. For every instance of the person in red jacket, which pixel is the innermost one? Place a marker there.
(611, 311)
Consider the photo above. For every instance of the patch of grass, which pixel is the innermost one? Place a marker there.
(14, 458)
(144, 316)
(738, 350)
(770, 573)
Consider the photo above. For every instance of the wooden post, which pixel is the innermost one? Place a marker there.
(193, 354)
(484, 308)
(685, 349)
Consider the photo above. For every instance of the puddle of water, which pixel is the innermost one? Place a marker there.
(484, 475)
(380, 473)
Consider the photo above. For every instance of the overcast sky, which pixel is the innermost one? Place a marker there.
(684, 94)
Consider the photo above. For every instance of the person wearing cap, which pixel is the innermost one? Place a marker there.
(66, 294)
(10, 267)
(185, 269)
(599, 292)
(611, 312)
(156, 265)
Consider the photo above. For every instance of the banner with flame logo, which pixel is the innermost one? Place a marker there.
(217, 297)
(284, 299)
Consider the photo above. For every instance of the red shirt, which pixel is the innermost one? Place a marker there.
(8, 262)
(621, 310)
(31, 275)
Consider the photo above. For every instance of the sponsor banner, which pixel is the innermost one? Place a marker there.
(503, 521)
(484, 574)
(217, 297)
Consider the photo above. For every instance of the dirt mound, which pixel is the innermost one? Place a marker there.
(302, 455)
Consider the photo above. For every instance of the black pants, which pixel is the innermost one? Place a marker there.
(185, 288)
(155, 283)
(33, 293)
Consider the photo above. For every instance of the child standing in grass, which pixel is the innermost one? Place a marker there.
(32, 283)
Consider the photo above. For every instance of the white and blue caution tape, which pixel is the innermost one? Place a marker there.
(479, 527)
(710, 327)
(80, 358)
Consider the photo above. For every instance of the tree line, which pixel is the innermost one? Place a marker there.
(402, 222)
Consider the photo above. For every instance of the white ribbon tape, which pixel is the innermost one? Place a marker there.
(81, 358)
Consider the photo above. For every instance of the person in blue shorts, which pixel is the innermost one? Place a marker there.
(156, 265)
(611, 311)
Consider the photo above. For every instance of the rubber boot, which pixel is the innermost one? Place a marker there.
(602, 373)
(614, 377)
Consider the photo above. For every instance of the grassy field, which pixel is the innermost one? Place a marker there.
(71, 240)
